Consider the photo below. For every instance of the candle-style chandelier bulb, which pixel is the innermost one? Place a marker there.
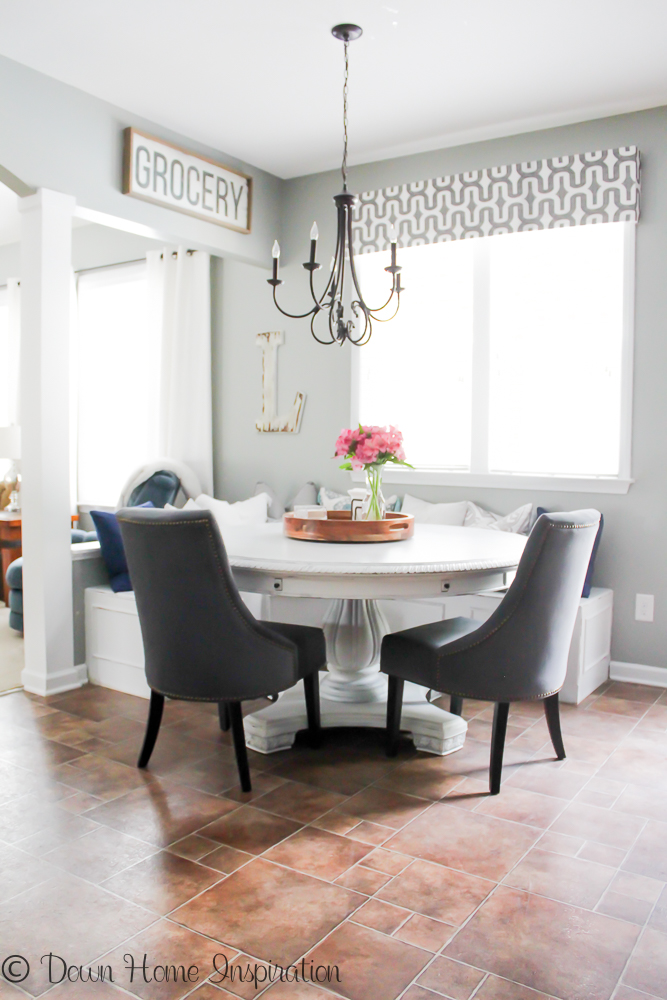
(343, 284)
(276, 249)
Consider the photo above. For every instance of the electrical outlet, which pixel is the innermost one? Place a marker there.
(644, 607)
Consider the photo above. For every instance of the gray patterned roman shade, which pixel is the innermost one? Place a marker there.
(576, 190)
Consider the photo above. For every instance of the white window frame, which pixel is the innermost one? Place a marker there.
(479, 475)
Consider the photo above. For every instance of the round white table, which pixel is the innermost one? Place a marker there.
(437, 561)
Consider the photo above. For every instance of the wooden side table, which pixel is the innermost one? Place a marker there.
(10, 545)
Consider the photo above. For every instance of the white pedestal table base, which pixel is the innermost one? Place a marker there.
(433, 730)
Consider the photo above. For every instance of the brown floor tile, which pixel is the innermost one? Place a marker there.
(372, 966)
(573, 954)
(560, 843)
(592, 752)
(433, 777)
(419, 993)
(548, 779)
(100, 777)
(626, 993)
(262, 782)
(637, 886)
(635, 911)
(363, 880)
(602, 825)
(167, 944)
(226, 859)
(649, 802)
(295, 991)
(522, 806)
(162, 882)
(379, 805)
(319, 853)
(100, 854)
(370, 833)
(249, 829)
(450, 978)
(269, 911)
(173, 749)
(637, 762)
(20, 871)
(193, 847)
(83, 990)
(117, 729)
(211, 774)
(336, 822)
(98, 703)
(495, 988)
(424, 932)
(437, 892)
(593, 725)
(40, 754)
(655, 718)
(69, 917)
(344, 771)
(295, 800)
(602, 854)
(569, 880)
(647, 970)
(161, 812)
(40, 826)
(479, 845)
(633, 692)
(380, 916)
(620, 706)
(387, 861)
(648, 856)
(79, 802)
(658, 919)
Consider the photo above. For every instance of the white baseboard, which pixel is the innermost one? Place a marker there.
(638, 673)
(58, 683)
(118, 676)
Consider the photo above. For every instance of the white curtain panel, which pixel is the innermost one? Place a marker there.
(13, 351)
(179, 287)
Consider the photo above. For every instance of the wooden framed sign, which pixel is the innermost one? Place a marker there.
(167, 175)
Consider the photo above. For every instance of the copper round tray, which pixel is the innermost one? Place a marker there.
(339, 527)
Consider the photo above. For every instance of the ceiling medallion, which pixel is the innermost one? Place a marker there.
(343, 283)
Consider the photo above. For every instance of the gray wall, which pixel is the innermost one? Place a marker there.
(55, 136)
(633, 556)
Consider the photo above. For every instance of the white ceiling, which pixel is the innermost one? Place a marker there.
(261, 79)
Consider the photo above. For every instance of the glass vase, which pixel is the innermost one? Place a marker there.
(374, 505)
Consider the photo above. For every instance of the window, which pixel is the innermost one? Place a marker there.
(116, 376)
(509, 360)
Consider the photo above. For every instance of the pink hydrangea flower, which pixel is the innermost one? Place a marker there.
(370, 444)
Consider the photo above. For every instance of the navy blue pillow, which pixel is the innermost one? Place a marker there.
(588, 582)
(113, 550)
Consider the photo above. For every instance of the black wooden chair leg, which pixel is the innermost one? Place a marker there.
(311, 687)
(500, 714)
(552, 713)
(238, 735)
(152, 728)
(394, 709)
(456, 704)
(223, 712)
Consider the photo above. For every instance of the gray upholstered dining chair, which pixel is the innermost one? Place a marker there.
(201, 643)
(519, 654)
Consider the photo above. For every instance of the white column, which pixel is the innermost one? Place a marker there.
(46, 255)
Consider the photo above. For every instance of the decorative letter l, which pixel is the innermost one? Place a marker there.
(269, 422)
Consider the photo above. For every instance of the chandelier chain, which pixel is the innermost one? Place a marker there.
(345, 92)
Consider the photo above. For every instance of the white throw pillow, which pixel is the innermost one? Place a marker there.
(251, 511)
(517, 522)
(435, 513)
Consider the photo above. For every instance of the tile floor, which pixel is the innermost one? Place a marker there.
(404, 874)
